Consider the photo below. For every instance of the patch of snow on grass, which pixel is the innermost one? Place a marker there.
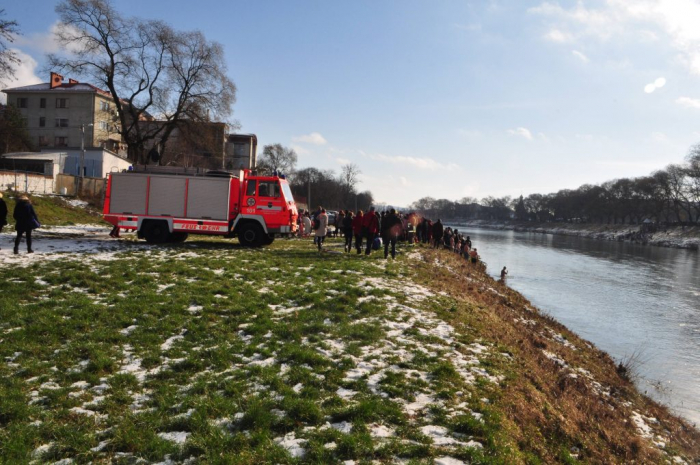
(167, 345)
(178, 437)
(292, 445)
(128, 330)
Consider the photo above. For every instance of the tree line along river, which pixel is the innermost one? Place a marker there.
(632, 301)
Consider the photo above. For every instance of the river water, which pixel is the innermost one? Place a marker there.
(632, 301)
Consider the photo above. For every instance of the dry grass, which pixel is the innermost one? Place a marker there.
(553, 412)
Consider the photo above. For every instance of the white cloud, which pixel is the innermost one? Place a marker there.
(659, 137)
(45, 42)
(688, 102)
(555, 35)
(580, 56)
(313, 138)
(657, 84)
(524, 132)
(422, 163)
(25, 73)
(343, 161)
(299, 149)
(404, 182)
(639, 19)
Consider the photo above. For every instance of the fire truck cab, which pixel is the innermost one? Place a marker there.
(166, 204)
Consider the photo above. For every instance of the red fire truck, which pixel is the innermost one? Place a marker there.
(166, 204)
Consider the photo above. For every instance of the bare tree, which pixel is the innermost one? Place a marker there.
(8, 57)
(276, 157)
(151, 70)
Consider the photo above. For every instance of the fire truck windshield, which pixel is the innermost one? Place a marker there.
(287, 192)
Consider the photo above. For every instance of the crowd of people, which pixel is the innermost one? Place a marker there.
(365, 231)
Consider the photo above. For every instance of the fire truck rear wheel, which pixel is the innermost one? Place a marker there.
(178, 237)
(251, 235)
(156, 232)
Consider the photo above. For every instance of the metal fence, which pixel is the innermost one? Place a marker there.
(23, 181)
(67, 184)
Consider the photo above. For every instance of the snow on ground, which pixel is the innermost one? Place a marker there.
(65, 243)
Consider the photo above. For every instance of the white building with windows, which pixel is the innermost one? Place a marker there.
(61, 115)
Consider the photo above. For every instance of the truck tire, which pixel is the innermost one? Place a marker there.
(156, 232)
(268, 239)
(251, 235)
(178, 237)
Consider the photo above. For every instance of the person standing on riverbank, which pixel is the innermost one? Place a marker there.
(438, 232)
(370, 228)
(321, 231)
(26, 222)
(391, 228)
(3, 213)
(504, 273)
(347, 230)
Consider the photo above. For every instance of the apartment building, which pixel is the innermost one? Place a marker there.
(56, 111)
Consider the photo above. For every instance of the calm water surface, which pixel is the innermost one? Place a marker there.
(629, 300)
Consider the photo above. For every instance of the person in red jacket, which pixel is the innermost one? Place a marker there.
(357, 230)
(370, 228)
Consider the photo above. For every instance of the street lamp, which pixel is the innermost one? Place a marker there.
(82, 153)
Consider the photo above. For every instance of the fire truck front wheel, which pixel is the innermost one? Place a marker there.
(156, 232)
(251, 235)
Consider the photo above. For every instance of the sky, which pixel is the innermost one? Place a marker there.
(446, 99)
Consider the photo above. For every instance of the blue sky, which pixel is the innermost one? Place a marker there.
(448, 98)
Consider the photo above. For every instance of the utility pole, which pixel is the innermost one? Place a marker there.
(308, 194)
(82, 157)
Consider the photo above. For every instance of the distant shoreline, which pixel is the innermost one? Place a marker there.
(677, 237)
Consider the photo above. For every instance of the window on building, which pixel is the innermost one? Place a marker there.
(42, 103)
(104, 126)
(42, 122)
(43, 141)
(61, 103)
(61, 141)
(22, 102)
(61, 122)
(104, 106)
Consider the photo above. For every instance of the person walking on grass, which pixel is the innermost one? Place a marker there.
(307, 224)
(347, 230)
(26, 221)
(321, 231)
(370, 228)
(3, 213)
(438, 231)
(357, 230)
(391, 229)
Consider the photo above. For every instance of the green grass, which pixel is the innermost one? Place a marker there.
(108, 360)
(210, 355)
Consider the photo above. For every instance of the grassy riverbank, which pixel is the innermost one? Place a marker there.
(209, 351)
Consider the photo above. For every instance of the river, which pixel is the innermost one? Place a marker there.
(632, 301)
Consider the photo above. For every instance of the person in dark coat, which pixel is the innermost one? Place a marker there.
(437, 233)
(26, 221)
(391, 229)
(347, 230)
(3, 213)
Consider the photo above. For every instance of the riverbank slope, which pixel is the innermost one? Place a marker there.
(209, 351)
(679, 237)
